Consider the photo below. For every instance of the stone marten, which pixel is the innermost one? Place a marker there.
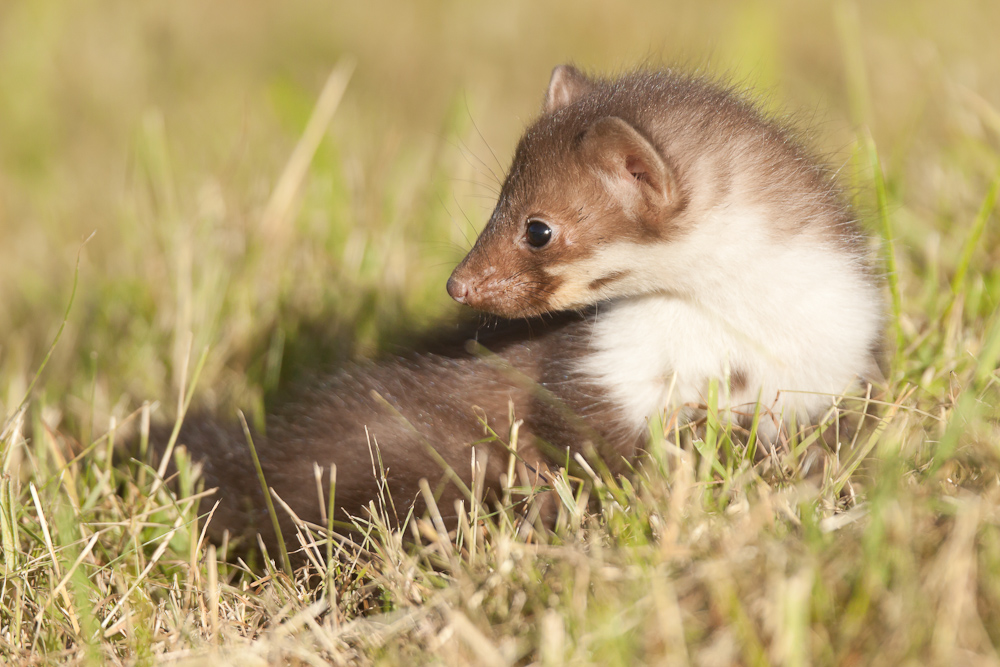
(656, 232)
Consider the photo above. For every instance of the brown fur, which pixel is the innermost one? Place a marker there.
(738, 380)
(380, 419)
(598, 283)
(608, 160)
(693, 137)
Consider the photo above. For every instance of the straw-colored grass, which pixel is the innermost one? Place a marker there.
(280, 187)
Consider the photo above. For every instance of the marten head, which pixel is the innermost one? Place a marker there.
(587, 185)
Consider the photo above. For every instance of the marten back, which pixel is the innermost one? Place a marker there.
(378, 421)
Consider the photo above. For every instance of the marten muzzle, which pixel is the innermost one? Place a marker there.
(457, 289)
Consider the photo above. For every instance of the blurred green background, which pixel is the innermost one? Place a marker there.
(165, 126)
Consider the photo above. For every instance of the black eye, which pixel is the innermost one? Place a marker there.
(538, 233)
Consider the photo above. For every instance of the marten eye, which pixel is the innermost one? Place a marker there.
(537, 233)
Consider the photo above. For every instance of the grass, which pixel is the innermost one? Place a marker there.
(252, 223)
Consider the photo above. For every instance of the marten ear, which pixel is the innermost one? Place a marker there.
(617, 148)
(567, 85)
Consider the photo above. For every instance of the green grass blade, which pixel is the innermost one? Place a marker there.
(888, 240)
(286, 563)
(972, 241)
(59, 332)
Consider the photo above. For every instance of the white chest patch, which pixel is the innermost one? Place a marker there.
(794, 321)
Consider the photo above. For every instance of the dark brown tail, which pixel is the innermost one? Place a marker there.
(222, 452)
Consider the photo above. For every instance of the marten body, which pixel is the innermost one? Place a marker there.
(679, 236)
(376, 422)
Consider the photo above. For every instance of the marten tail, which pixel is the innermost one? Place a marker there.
(221, 451)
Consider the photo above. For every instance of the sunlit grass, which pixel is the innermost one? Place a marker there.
(181, 134)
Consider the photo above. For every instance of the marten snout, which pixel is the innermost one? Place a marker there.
(457, 289)
(482, 285)
(471, 293)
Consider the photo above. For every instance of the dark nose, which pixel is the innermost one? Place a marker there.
(457, 289)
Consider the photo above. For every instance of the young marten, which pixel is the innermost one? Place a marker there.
(656, 232)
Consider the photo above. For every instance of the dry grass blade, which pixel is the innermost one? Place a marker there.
(160, 550)
(278, 210)
(482, 648)
(52, 552)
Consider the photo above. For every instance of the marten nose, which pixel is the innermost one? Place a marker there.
(457, 289)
